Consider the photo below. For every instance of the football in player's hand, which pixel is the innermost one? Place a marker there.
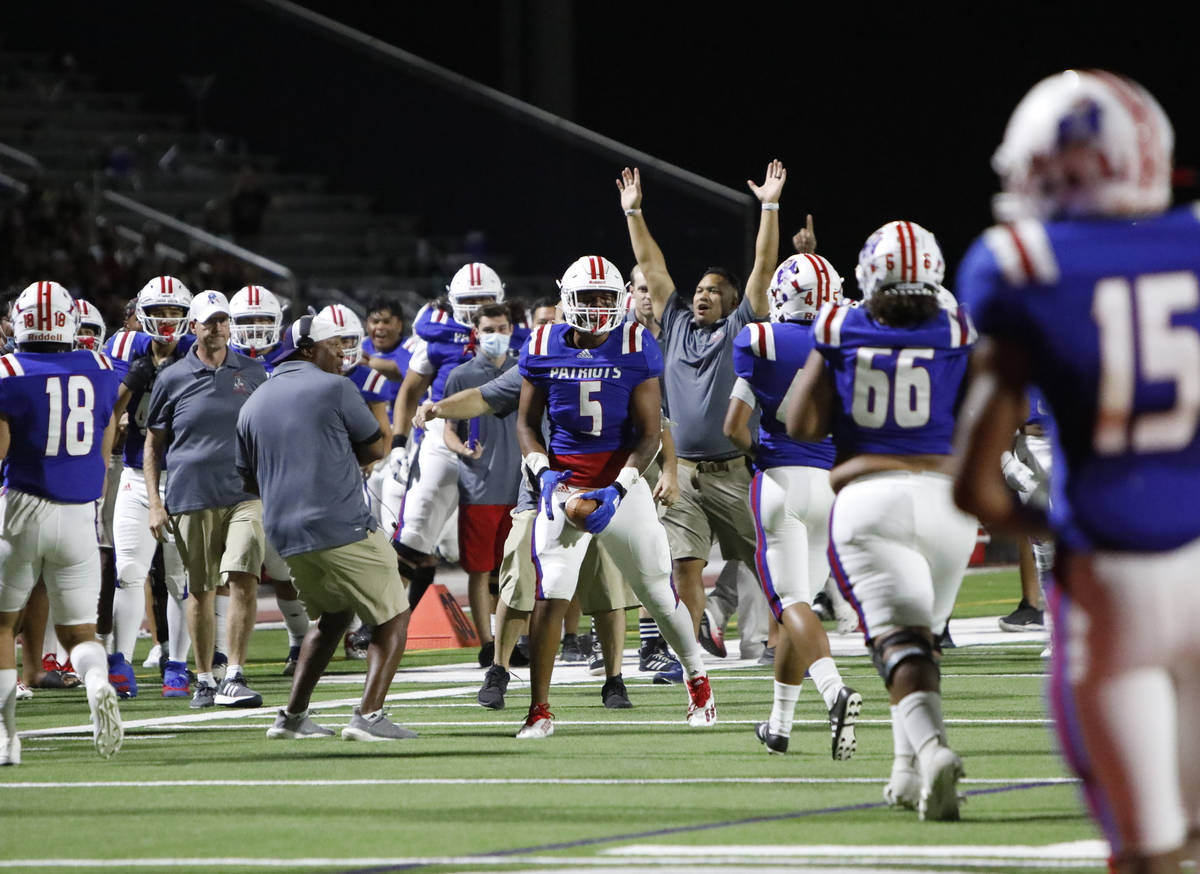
(578, 509)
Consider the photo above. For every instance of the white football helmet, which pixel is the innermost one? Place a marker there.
(255, 320)
(89, 317)
(801, 286)
(584, 280)
(474, 285)
(350, 327)
(1085, 143)
(45, 312)
(901, 256)
(164, 291)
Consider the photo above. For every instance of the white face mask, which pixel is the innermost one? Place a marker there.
(494, 345)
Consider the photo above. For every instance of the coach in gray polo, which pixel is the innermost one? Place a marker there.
(714, 478)
(300, 442)
(218, 526)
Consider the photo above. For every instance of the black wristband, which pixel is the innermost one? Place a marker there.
(399, 441)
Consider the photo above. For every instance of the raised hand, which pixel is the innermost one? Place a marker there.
(805, 241)
(630, 186)
(772, 185)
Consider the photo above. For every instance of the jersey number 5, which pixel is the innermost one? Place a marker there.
(1151, 348)
(591, 408)
(79, 427)
(872, 388)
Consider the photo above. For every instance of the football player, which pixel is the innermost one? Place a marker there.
(886, 378)
(56, 430)
(1090, 290)
(139, 356)
(790, 495)
(596, 377)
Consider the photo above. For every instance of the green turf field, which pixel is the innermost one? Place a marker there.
(625, 790)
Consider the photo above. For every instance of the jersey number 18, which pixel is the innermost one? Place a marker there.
(78, 429)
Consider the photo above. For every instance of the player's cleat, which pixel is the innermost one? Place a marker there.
(946, 641)
(712, 634)
(107, 730)
(354, 646)
(10, 747)
(520, 653)
(495, 684)
(24, 693)
(1025, 618)
(295, 727)
(120, 674)
(154, 655)
(595, 662)
(702, 707)
(939, 786)
(487, 654)
(776, 744)
(539, 723)
(204, 696)
(233, 692)
(293, 659)
(374, 727)
(767, 658)
(903, 789)
(57, 675)
(614, 694)
(847, 619)
(573, 650)
(220, 664)
(822, 607)
(175, 681)
(842, 717)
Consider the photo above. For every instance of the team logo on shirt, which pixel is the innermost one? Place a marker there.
(578, 373)
(239, 385)
(584, 353)
(717, 336)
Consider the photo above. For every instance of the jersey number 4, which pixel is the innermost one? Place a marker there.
(1149, 347)
(908, 392)
(78, 431)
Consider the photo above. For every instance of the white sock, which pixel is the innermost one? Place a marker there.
(8, 700)
(829, 682)
(921, 713)
(129, 609)
(206, 677)
(295, 617)
(676, 627)
(179, 639)
(91, 663)
(221, 612)
(234, 671)
(902, 747)
(783, 709)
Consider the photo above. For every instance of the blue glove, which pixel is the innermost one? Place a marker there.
(609, 498)
(549, 480)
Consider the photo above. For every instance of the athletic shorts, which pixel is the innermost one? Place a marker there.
(790, 506)
(482, 530)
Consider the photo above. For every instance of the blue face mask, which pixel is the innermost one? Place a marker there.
(494, 345)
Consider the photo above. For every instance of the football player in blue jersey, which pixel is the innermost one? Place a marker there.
(886, 379)
(1090, 290)
(56, 431)
(790, 495)
(596, 378)
(139, 356)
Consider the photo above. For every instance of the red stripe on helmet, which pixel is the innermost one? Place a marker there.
(1133, 102)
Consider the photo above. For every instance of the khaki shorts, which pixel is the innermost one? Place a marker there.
(601, 584)
(712, 503)
(220, 540)
(359, 576)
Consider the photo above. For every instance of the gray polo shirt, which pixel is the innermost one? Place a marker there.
(198, 407)
(503, 395)
(295, 438)
(494, 477)
(699, 378)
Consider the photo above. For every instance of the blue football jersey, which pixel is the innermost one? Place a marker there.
(401, 354)
(897, 388)
(1110, 313)
(125, 348)
(57, 405)
(588, 393)
(767, 356)
(451, 343)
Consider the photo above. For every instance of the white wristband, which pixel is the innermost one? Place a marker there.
(633, 212)
(535, 463)
(771, 206)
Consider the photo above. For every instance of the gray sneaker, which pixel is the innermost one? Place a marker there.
(376, 726)
(204, 695)
(235, 693)
(295, 727)
(495, 685)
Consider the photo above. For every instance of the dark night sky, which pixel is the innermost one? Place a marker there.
(878, 113)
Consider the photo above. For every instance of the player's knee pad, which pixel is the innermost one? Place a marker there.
(128, 581)
(889, 652)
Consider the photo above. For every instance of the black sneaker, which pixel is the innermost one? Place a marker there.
(776, 744)
(1025, 618)
(572, 650)
(487, 654)
(520, 653)
(495, 684)
(614, 695)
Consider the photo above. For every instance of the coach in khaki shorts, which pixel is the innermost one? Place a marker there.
(316, 516)
(218, 525)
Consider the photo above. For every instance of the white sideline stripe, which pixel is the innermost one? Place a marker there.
(506, 781)
(1090, 850)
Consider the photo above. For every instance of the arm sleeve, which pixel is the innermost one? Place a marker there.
(420, 361)
(744, 393)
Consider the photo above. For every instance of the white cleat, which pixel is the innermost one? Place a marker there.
(24, 693)
(154, 655)
(904, 787)
(10, 748)
(539, 723)
(939, 786)
(107, 730)
(702, 707)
